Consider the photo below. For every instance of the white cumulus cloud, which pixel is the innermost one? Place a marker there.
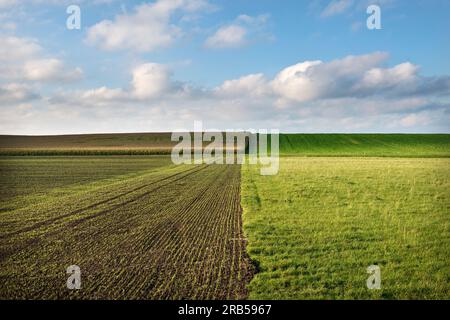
(242, 31)
(227, 37)
(254, 84)
(23, 59)
(150, 80)
(49, 70)
(148, 28)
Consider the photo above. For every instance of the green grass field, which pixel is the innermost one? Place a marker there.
(142, 228)
(314, 228)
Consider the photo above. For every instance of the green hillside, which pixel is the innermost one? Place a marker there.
(401, 145)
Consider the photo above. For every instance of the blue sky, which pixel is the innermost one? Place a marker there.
(297, 66)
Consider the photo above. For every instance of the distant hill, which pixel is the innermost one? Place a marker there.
(401, 145)
(86, 144)
(396, 145)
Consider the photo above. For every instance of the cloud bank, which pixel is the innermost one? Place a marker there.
(351, 94)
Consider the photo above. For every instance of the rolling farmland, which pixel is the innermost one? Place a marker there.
(348, 145)
(206, 159)
(140, 227)
(164, 233)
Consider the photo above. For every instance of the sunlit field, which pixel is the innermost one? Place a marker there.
(314, 228)
(141, 227)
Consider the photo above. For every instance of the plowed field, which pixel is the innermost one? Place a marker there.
(165, 233)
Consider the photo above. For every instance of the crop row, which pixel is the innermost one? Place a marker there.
(173, 235)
